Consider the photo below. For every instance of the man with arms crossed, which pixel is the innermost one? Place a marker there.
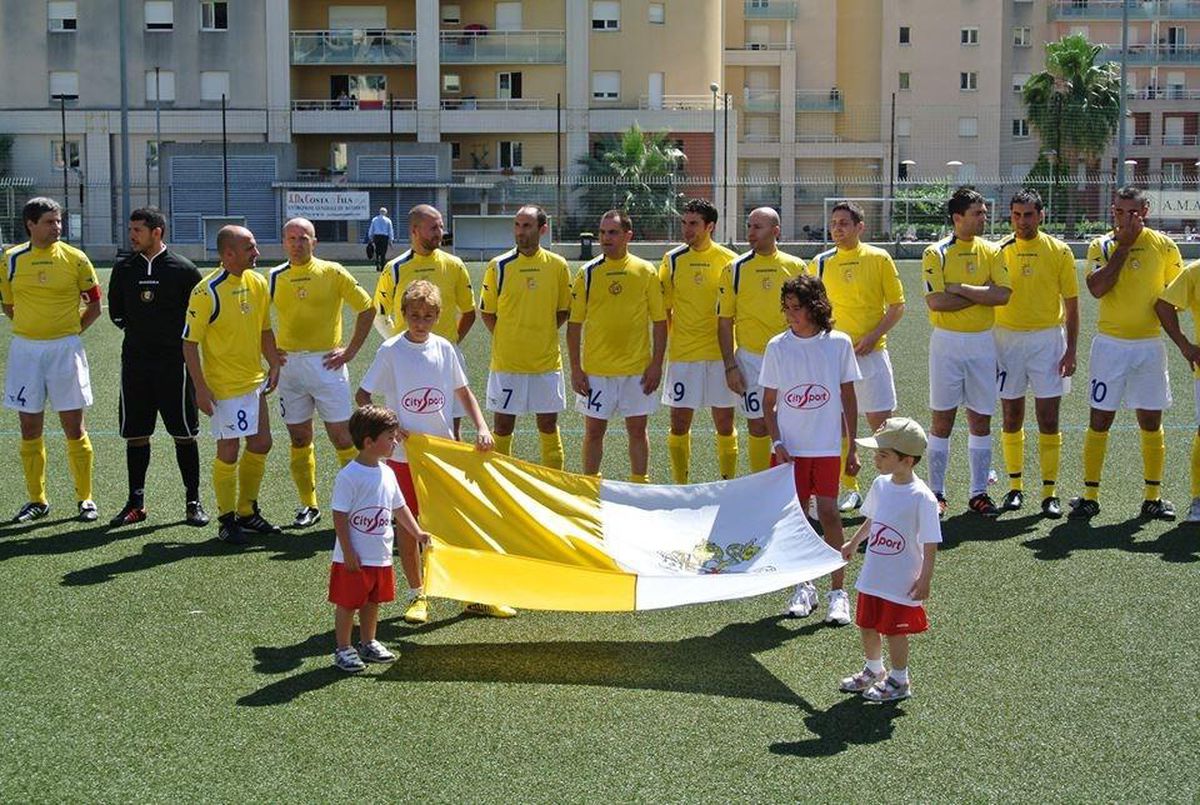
(41, 283)
(525, 298)
(308, 294)
(615, 303)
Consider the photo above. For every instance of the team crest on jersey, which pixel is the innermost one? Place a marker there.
(1027, 270)
(302, 293)
(424, 400)
(531, 283)
(245, 306)
(767, 284)
(615, 289)
(147, 295)
(970, 266)
(43, 278)
(848, 274)
(1135, 263)
(806, 397)
(698, 277)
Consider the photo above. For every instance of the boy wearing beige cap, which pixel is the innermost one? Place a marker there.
(902, 532)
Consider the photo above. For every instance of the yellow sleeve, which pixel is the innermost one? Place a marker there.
(1181, 292)
(262, 290)
(654, 297)
(489, 301)
(1068, 282)
(464, 297)
(385, 288)
(351, 292)
(5, 285)
(800, 266)
(726, 298)
(889, 278)
(668, 285)
(1172, 260)
(564, 287)
(578, 299)
(999, 272)
(1095, 256)
(933, 272)
(87, 273)
(199, 309)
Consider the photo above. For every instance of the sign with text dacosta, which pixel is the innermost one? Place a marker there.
(1174, 204)
(328, 205)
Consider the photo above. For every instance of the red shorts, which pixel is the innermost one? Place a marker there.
(404, 477)
(817, 475)
(888, 617)
(375, 585)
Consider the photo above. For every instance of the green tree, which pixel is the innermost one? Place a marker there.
(635, 171)
(1074, 105)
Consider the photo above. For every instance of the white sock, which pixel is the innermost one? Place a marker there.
(875, 666)
(900, 675)
(939, 456)
(979, 457)
(415, 592)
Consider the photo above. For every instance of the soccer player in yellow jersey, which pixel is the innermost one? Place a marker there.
(1036, 334)
(965, 281)
(425, 260)
(308, 294)
(226, 335)
(1127, 270)
(616, 302)
(41, 283)
(868, 301)
(691, 278)
(748, 316)
(1184, 293)
(525, 298)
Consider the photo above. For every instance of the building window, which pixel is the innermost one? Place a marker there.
(969, 36)
(152, 149)
(451, 14)
(904, 81)
(160, 86)
(214, 15)
(1020, 127)
(56, 154)
(904, 127)
(606, 86)
(657, 14)
(968, 127)
(968, 81)
(606, 15)
(509, 154)
(214, 85)
(451, 82)
(508, 85)
(64, 85)
(62, 16)
(455, 151)
(339, 157)
(160, 15)
(1022, 36)
(1019, 80)
(905, 35)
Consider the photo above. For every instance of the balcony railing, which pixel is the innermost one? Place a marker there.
(351, 105)
(1137, 139)
(356, 46)
(1111, 9)
(760, 100)
(491, 104)
(504, 47)
(678, 102)
(766, 46)
(1180, 139)
(1164, 94)
(1155, 54)
(770, 9)
(816, 100)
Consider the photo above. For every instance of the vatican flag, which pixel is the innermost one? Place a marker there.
(506, 531)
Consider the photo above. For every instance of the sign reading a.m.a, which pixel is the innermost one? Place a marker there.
(1174, 204)
(326, 205)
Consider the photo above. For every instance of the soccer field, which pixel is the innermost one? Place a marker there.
(154, 663)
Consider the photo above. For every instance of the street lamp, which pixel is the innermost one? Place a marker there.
(906, 166)
(954, 165)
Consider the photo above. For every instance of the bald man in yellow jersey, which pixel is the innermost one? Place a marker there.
(524, 300)
(748, 316)
(1036, 335)
(868, 301)
(308, 294)
(691, 279)
(41, 285)
(1184, 293)
(226, 335)
(965, 281)
(616, 362)
(1127, 270)
(425, 260)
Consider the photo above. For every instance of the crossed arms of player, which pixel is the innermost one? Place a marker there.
(960, 296)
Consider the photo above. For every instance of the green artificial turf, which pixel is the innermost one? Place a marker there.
(153, 663)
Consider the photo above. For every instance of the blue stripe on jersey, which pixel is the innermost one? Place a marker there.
(673, 255)
(275, 272)
(822, 259)
(587, 276)
(394, 267)
(216, 297)
(12, 260)
(1105, 245)
(944, 245)
(502, 263)
(1006, 241)
(737, 268)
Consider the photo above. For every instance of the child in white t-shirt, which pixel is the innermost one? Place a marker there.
(808, 374)
(902, 532)
(366, 498)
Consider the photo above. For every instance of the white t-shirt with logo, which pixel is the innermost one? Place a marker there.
(368, 496)
(808, 374)
(418, 382)
(904, 518)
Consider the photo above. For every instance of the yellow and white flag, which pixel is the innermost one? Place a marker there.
(510, 532)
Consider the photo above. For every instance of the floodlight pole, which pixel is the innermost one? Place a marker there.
(224, 162)
(62, 111)
(125, 189)
(1121, 102)
(725, 175)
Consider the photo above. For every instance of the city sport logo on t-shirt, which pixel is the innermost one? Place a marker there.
(885, 541)
(806, 396)
(371, 520)
(426, 400)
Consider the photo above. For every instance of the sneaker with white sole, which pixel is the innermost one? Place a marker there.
(88, 513)
(418, 611)
(306, 516)
(887, 690)
(837, 607)
(1193, 515)
(347, 659)
(812, 510)
(33, 510)
(803, 602)
(374, 651)
(851, 503)
(861, 681)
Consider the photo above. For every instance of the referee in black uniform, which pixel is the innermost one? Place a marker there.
(148, 298)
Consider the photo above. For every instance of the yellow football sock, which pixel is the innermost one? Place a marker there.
(304, 473)
(760, 453)
(1154, 456)
(250, 471)
(33, 462)
(727, 454)
(225, 485)
(552, 449)
(1013, 446)
(849, 482)
(1196, 466)
(1094, 445)
(79, 459)
(1049, 450)
(679, 448)
(638, 479)
(346, 455)
(503, 443)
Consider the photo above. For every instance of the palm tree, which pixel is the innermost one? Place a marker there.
(1074, 105)
(635, 171)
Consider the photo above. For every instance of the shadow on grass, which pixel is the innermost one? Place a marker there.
(27, 543)
(279, 547)
(852, 721)
(1179, 544)
(721, 664)
(967, 527)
